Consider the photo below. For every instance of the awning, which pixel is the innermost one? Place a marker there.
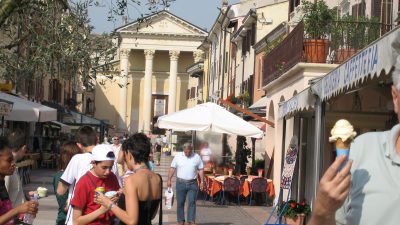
(260, 103)
(64, 128)
(301, 101)
(28, 111)
(71, 117)
(378, 57)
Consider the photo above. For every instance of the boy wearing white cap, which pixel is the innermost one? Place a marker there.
(100, 177)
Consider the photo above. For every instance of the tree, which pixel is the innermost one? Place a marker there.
(53, 38)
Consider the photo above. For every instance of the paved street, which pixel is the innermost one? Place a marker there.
(208, 213)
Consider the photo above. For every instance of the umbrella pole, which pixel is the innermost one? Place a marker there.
(194, 139)
(2, 125)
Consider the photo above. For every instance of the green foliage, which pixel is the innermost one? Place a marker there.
(258, 164)
(272, 44)
(53, 38)
(318, 19)
(293, 208)
(49, 38)
(350, 32)
(243, 153)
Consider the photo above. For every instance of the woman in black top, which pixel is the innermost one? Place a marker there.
(142, 190)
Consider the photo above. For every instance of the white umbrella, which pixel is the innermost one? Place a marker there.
(208, 117)
(28, 111)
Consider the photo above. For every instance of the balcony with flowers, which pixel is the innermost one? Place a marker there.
(320, 37)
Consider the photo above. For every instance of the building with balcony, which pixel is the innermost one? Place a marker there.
(300, 83)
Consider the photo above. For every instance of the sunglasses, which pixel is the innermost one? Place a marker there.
(116, 139)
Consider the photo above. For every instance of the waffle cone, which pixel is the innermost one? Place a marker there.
(341, 144)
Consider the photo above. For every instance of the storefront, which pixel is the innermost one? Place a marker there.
(357, 90)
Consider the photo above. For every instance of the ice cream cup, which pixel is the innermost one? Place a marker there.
(110, 194)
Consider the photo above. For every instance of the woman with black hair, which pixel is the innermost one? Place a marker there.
(142, 191)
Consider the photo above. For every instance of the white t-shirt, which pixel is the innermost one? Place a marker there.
(205, 154)
(76, 168)
(116, 150)
(186, 167)
(14, 188)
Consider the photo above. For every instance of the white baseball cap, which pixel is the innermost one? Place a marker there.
(103, 152)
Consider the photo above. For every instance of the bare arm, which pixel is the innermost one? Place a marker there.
(170, 175)
(131, 215)
(80, 219)
(201, 174)
(61, 188)
(333, 190)
(30, 207)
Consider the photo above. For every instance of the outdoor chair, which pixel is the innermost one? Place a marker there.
(231, 185)
(258, 185)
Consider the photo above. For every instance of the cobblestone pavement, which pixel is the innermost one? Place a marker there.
(208, 213)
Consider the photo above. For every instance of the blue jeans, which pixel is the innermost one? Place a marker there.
(189, 190)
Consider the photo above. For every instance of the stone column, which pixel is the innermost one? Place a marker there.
(123, 93)
(148, 73)
(173, 71)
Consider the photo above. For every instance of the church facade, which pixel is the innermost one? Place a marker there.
(149, 77)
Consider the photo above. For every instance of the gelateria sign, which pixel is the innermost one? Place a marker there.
(380, 56)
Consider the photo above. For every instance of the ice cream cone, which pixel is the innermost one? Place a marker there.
(342, 144)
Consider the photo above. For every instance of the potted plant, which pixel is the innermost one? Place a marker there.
(294, 212)
(350, 34)
(317, 23)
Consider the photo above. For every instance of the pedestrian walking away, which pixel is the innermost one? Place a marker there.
(67, 151)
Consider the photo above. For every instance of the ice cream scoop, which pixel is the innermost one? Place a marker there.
(342, 134)
(343, 130)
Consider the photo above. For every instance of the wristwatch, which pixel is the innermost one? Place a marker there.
(110, 206)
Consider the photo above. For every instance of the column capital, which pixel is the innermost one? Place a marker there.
(149, 53)
(174, 54)
(124, 52)
(198, 55)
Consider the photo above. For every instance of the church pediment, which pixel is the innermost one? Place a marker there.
(162, 23)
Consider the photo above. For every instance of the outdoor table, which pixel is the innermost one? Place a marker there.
(270, 190)
(34, 157)
(215, 184)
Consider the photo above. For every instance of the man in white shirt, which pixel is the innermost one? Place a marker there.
(17, 144)
(78, 166)
(187, 164)
(118, 168)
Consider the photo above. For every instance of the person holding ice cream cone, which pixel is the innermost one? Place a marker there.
(342, 134)
(366, 190)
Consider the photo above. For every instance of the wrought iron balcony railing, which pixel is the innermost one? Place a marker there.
(346, 38)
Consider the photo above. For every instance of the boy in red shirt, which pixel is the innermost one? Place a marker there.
(85, 210)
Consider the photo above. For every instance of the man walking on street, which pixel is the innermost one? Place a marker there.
(187, 164)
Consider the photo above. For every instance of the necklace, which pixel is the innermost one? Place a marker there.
(139, 168)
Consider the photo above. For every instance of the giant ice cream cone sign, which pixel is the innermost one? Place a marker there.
(342, 134)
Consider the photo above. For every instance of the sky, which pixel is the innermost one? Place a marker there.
(201, 13)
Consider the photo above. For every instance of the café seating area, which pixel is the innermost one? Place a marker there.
(240, 188)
